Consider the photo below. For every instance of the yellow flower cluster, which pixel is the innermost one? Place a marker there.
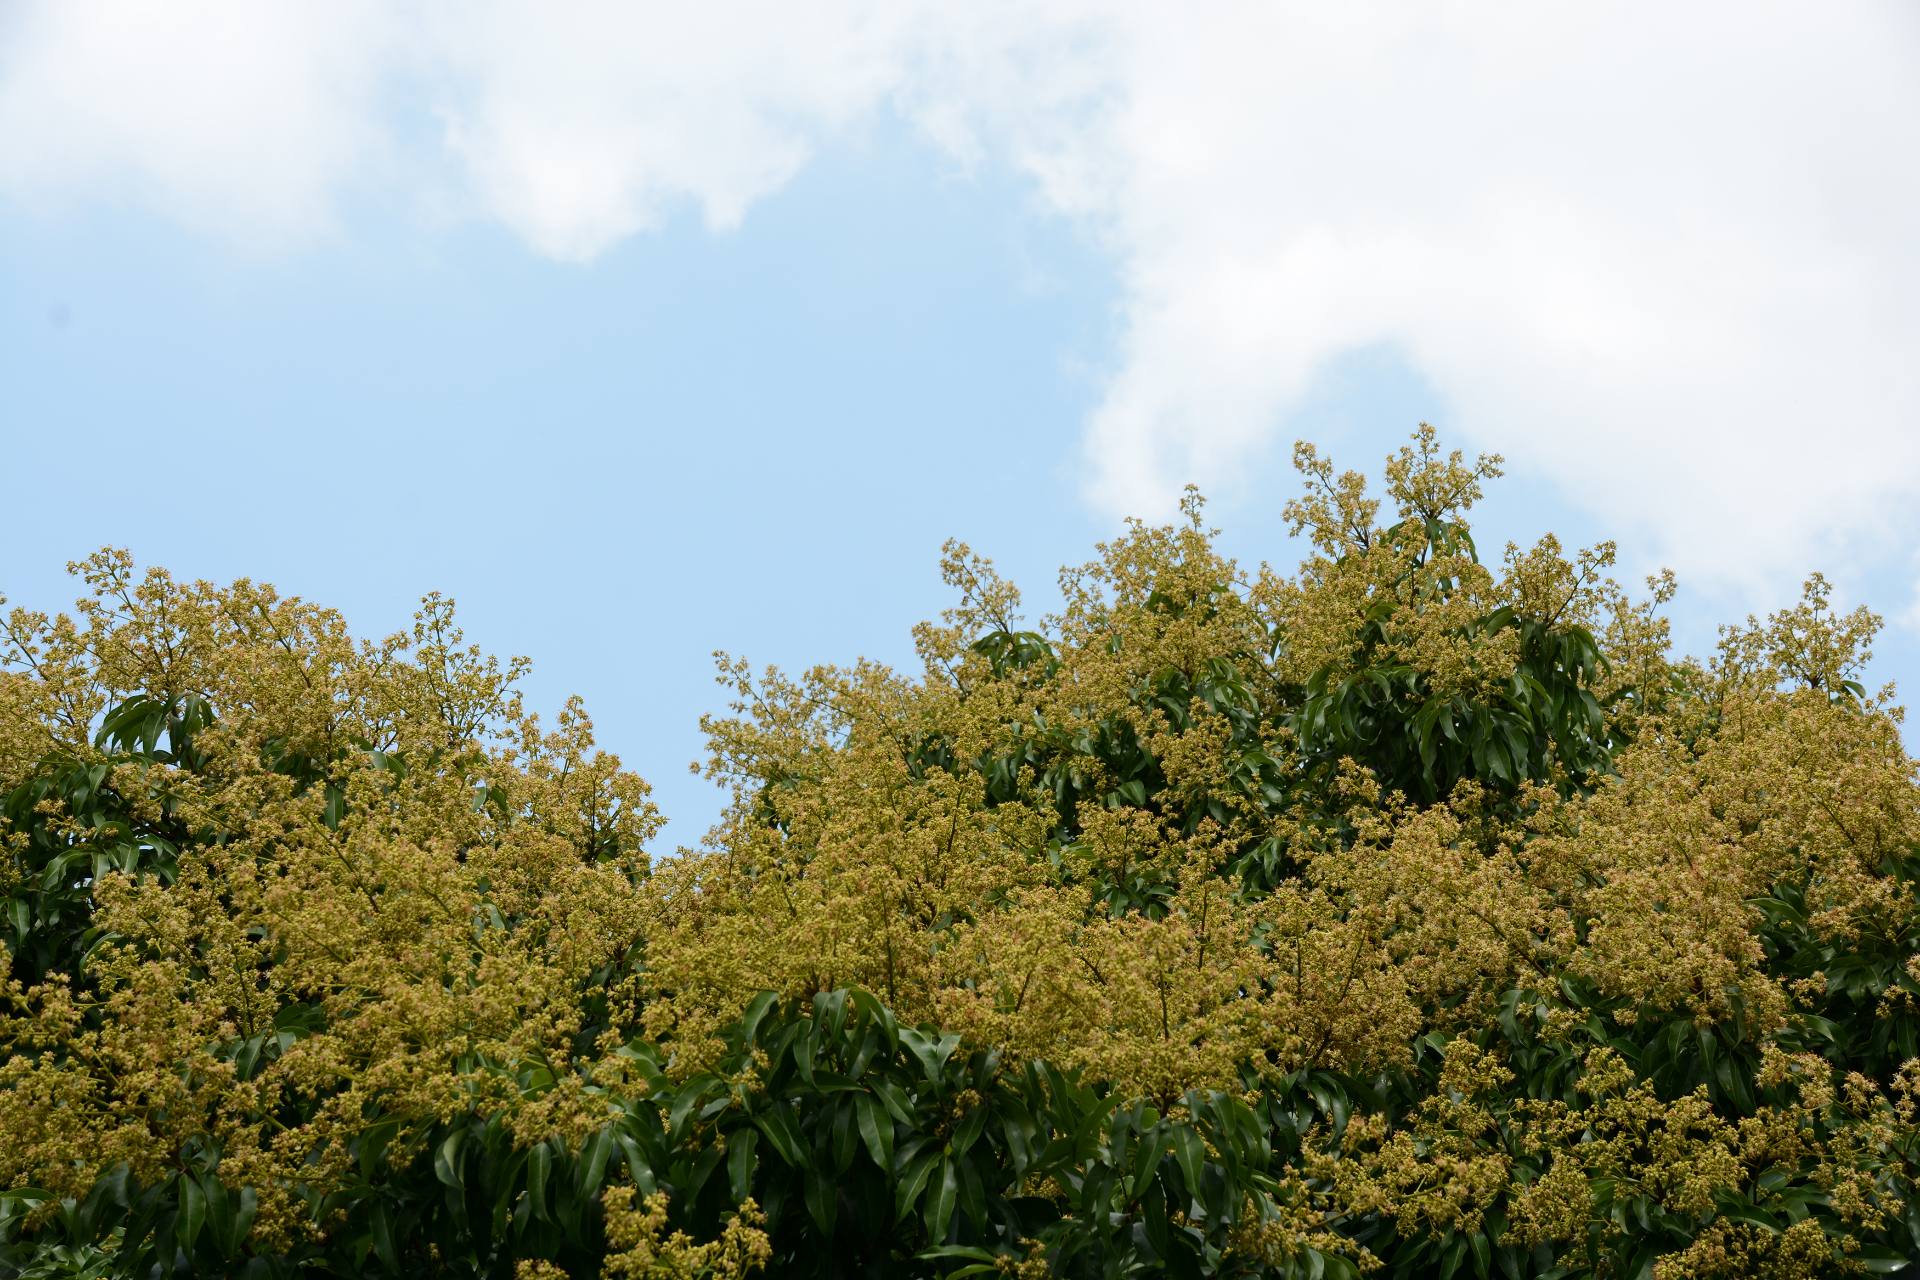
(438, 893)
(643, 1249)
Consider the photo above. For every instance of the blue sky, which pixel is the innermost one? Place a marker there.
(640, 388)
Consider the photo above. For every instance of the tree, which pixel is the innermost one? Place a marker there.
(1405, 915)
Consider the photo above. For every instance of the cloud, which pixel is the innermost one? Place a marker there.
(583, 123)
(1663, 254)
(250, 120)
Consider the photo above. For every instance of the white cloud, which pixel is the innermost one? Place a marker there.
(581, 123)
(1663, 253)
(247, 119)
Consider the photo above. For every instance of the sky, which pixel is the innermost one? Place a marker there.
(645, 332)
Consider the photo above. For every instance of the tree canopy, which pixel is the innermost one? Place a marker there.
(1411, 914)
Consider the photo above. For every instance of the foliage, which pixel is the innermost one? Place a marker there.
(1403, 916)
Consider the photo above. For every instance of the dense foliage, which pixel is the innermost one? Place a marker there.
(1405, 916)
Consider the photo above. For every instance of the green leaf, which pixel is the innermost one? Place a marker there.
(973, 1194)
(1189, 1153)
(969, 1129)
(383, 1242)
(243, 1220)
(969, 1252)
(907, 1192)
(896, 1101)
(931, 1051)
(946, 1189)
(192, 1215)
(446, 1159)
(756, 1013)
(593, 1163)
(740, 1162)
(539, 1165)
(876, 1130)
(845, 1133)
(777, 1124)
(823, 1198)
(1146, 1161)
(1482, 1253)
